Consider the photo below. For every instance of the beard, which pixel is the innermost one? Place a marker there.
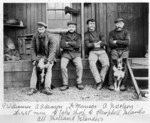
(41, 35)
(119, 28)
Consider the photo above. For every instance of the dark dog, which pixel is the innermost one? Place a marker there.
(118, 72)
(41, 68)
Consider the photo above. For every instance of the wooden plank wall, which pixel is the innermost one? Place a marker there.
(136, 21)
(135, 15)
(77, 19)
(145, 24)
(29, 13)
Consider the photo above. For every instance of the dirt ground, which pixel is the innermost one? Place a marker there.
(72, 94)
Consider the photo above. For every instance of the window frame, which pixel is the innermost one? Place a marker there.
(61, 29)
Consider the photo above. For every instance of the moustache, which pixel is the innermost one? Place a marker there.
(119, 27)
(41, 35)
(70, 30)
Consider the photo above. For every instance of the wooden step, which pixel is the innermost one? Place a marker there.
(139, 61)
(144, 90)
(139, 67)
(141, 78)
(133, 80)
(144, 93)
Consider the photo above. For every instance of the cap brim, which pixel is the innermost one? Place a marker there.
(40, 24)
(71, 24)
(118, 21)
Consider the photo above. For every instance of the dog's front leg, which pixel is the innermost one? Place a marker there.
(115, 83)
(119, 83)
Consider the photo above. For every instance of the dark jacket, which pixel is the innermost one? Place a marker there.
(50, 46)
(73, 48)
(92, 37)
(122, 37)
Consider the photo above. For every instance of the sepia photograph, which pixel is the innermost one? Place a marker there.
(54, 52)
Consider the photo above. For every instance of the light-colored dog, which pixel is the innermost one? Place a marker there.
(118, 72)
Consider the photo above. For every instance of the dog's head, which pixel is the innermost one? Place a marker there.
(41, 63)
(119, 63)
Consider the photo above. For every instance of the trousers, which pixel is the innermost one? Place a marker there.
(102, 57)
(48, 77)
(64, 71)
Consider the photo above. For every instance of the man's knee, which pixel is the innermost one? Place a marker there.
(92, 64)
(125, 54)
(114, 54)
(79, 66)
(106, 67)
(105, 63)
(63, 66)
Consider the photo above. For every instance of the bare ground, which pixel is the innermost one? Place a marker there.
(72, 94)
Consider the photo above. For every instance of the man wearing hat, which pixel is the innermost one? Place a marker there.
(95, 42)
(119, 40)
(42, 46)
(71, 45)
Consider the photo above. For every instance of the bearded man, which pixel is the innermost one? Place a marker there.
(119, 40)
(43, 45)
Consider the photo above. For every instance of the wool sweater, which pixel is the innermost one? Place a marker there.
(92, 37)
(122, 38)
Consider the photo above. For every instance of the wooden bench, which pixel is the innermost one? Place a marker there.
(18, 73)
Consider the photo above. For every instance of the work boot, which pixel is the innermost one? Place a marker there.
(111, 87)
(32, 91)
(64, 87)
(99, 86)
(80, 86)
(47, 91)
(122, 88)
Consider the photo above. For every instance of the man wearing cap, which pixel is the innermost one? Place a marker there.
(96, 45)
(119, 40)
(71, 45)
(42, 46)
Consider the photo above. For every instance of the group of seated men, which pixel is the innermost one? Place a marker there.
(43, 45)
